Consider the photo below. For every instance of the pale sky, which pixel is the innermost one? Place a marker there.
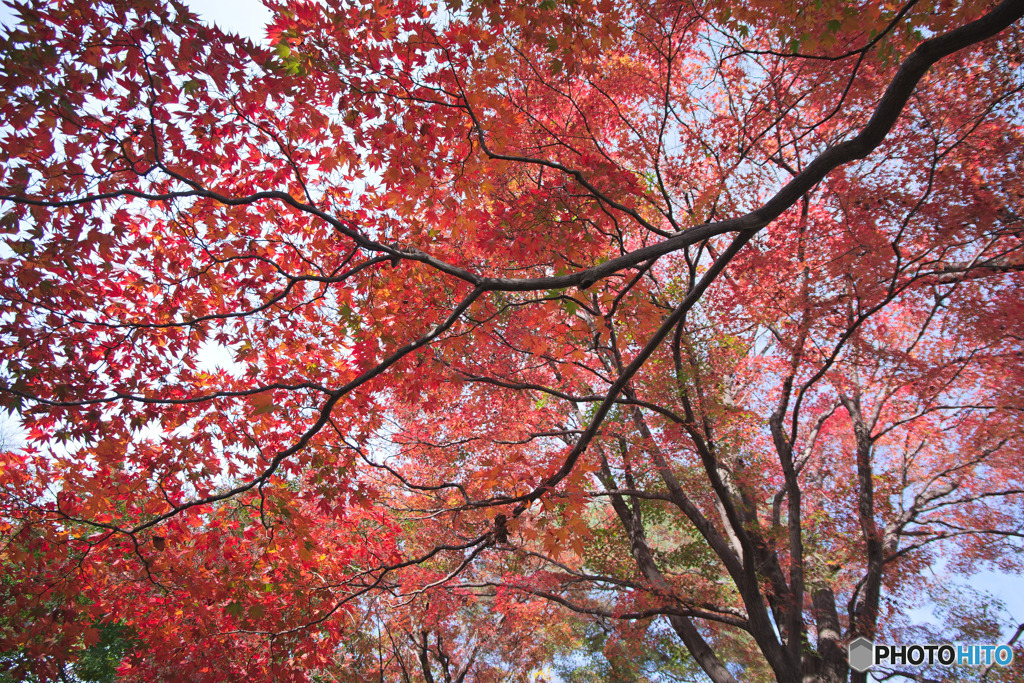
(244, 17)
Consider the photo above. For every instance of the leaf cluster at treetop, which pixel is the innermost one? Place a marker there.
(660, 340)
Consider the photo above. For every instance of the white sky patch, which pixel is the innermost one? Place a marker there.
(213, 357)
(247, 18)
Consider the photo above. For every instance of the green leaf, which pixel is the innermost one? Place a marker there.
(23, 248)
(262, 404)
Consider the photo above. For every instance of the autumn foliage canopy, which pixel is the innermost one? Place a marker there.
(482, 340)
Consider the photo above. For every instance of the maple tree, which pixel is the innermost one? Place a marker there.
(447, 341)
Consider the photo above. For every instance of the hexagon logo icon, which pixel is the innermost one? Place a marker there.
(862, 654)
